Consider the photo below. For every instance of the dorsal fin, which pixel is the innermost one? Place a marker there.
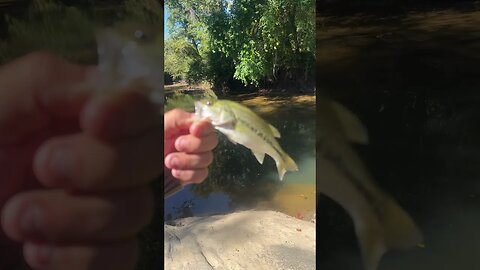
(275, 132)
(352, 126)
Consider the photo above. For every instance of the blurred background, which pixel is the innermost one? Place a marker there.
(409, 71)
(67, 28)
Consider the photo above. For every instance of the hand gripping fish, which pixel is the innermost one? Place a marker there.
(241, 125)
(380, 223)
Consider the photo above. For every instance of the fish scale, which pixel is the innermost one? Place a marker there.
(263, 136)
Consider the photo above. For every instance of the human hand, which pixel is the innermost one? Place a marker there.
(73, 189)
(188, 146)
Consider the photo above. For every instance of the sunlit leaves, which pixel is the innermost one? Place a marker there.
(258, 38)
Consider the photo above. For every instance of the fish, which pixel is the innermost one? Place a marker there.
(380, 223)
(243, 126)
(130, 54)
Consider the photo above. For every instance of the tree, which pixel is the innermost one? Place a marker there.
(258, 42)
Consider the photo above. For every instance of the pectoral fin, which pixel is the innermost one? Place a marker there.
(227, 125)
(260, 156)
(226, 120)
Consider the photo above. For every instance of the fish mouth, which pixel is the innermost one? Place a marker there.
(201, 112)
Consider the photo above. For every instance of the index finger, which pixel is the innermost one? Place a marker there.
(121, 116)
(177, 122)
(35, 89)
(202, 129)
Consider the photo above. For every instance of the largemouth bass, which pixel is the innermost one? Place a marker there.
(130, 54)
(241, 125)
(380, 223)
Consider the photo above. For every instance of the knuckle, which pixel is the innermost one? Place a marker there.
(174, 161)
(215, 140)
(204, 174)
(208, 158)
(200, 175)
(43, 64)
(177, 112)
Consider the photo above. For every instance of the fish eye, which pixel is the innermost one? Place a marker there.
(139, 34)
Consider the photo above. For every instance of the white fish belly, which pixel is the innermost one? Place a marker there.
(253, 142)
(334, 184)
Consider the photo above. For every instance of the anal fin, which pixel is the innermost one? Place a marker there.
(260, 156)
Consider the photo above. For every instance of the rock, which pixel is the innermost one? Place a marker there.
(242, 240)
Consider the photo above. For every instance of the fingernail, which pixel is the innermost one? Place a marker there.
(94, 118)
(174, 162)
(32, 219)
(92, 110)
(61, 162)
(56, 161)
(182, 144)
(176, 173)
(204, 128)
(206, 131)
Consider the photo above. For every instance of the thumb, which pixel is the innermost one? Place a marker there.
(36, 89)
(177, 122)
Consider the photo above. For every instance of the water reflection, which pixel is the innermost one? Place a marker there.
(186, 203)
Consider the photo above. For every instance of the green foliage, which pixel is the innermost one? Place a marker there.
(183, 61)
(145, 11)
(68, 30)
(254, 41)
(181, 101)
(251, 65)
(177, 58)
(187, 49)
(49, 25)
(186, 101)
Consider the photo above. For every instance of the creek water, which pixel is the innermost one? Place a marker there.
(412, 78)
(237, 181)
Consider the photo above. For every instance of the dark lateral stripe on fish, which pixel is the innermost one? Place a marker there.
(330, 155)
(263, 136)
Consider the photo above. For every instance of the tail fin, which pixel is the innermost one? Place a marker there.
(284, 165)
(394, 229)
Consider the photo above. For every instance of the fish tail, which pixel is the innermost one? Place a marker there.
(290, 164)
(286, 164)
(393, 229)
